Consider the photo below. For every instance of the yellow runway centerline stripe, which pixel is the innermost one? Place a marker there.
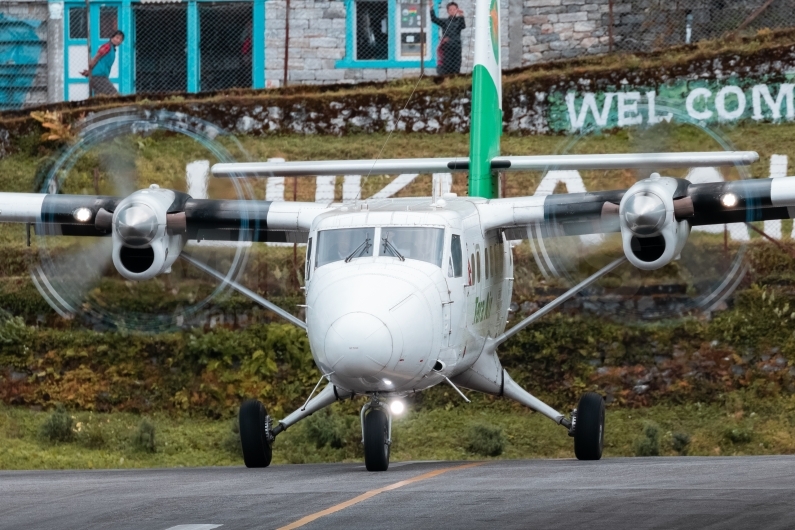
(372, 493)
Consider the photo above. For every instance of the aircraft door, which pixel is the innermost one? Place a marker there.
(456, 277)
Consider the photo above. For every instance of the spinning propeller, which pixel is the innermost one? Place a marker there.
(673, 270)
(143, 212)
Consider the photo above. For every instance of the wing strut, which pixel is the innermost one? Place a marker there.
(244, 291)
(559, 300)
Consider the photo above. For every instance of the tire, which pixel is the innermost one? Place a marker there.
(257, 450)
(376, 435)
(589, 433)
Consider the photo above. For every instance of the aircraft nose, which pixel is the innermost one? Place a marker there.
(358, 344)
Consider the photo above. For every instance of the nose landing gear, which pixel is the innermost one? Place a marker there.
(376, 435)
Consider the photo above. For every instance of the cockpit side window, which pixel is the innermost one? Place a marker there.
(308, 270)
(344, 244)
(455, 270)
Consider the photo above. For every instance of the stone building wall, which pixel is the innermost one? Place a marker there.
(558, 29)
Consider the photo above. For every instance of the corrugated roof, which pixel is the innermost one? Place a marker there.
(160, 1)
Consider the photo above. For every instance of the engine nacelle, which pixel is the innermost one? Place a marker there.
(650, 233)
(147, 239)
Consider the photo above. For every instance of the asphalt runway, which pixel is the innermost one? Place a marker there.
(636, 493)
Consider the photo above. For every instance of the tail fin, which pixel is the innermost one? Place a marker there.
(486, 119)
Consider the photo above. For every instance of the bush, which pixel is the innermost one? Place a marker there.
(58, 427)
(485, 440)
(680, 442)
(232, 441)
(649, 443)
(92, 435)
(144, 438)
(737, 435)
(326, 429)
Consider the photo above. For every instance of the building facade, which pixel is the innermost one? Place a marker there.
(206, 45)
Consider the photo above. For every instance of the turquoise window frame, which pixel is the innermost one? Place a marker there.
(349, 61)
(125, 54)
(68, 41)
(257, 43)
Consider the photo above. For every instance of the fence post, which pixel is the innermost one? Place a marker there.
(258, 44)
(286, 39)
(610, 26)
(88, 43)
(193, 47)
(422, 38)
(126, 59)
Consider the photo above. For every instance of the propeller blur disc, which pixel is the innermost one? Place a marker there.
(115, 154)
(706, 272)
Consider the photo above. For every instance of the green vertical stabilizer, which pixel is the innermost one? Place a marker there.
(484, 135)
(486, 119)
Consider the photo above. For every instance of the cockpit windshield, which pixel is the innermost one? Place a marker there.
(420, 243)
(344, 244)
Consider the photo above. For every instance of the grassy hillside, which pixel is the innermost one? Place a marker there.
(725, 380)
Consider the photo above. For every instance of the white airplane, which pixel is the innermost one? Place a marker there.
(405, 294)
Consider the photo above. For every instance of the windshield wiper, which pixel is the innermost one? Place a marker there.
(391, 248)
(358, 250)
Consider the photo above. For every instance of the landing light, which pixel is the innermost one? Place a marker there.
(397, 407)
(82, 214)
(729, 200)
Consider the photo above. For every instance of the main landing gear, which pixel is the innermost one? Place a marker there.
(255, 434)
(588, 427)
(257, 431)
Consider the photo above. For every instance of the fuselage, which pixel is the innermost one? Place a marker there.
(402, 292)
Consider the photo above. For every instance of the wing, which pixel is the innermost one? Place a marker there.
(658, 210)
(500, 163)
(195, 219)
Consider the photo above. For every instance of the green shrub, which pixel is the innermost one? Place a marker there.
(58, 427)
(737, 435)
(92, 435)
(232, 441)
(485, 440)
(326, 429)
(144, 437)
(680, 442)
(648, 444)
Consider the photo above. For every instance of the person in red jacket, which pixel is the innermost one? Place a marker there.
(101, 65)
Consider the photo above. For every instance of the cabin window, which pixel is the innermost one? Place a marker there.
(422, 244)
(487, 262)
(472, 269)
(455, 257)
(308, 270)
(344, 244)
(477, 263)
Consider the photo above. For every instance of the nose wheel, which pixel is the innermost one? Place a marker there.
(376, 435)
(255, 434)
(588, 426)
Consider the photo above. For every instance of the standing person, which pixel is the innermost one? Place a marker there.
(101, 65)
(448, 53)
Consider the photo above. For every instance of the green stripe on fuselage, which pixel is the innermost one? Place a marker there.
(484, 134)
